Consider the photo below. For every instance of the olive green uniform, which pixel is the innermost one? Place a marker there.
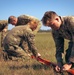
(19, 41)
(3, 29)
(22, 20)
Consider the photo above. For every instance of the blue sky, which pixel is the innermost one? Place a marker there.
(35, 8)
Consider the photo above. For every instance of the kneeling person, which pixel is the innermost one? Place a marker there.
(20, 40)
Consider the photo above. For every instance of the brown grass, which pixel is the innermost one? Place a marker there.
(46, 48)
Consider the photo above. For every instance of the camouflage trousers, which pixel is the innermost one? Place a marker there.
(16, 52)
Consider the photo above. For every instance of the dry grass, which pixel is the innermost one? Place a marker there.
(46, 48)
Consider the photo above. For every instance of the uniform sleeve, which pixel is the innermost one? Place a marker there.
(59, 44)
(71, 28)
(31, 43)
(3, 24)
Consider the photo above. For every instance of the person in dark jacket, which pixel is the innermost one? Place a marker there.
(62, 28)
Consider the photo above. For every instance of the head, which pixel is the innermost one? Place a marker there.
(51, 19)
(33, 25)
(12, 20)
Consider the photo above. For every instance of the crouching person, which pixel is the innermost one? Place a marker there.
(20, 41)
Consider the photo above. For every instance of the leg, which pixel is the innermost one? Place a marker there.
(25, 47)
(16, 51)
(3, 55)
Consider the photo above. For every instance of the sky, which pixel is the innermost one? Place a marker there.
(35, 8)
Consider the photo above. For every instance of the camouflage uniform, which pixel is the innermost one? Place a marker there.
(3, 29)
(19, 41)
(66, 31)
(22, 20)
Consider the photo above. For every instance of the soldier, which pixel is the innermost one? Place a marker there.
(22, 20)
(62, 28)
(3, 29)
(20, 41)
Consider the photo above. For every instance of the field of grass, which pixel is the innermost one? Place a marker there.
(45, 44)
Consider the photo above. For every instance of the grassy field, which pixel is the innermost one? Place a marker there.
(46, 48)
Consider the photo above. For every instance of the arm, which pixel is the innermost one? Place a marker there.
(31, 43)
(71, 59)
(70, 52)
(71, 29)
(59, 44)
(3, 24)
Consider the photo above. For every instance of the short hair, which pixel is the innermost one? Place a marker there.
(11, 19)
(49, 15)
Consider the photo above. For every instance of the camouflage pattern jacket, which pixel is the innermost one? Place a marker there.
(3, 24)
(19, 35)
(66, 31)
(22, 21)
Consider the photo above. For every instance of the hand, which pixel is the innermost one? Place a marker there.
(29, 55)
(66, 67)
(4, 30)
(39, 55)
(57, 68)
